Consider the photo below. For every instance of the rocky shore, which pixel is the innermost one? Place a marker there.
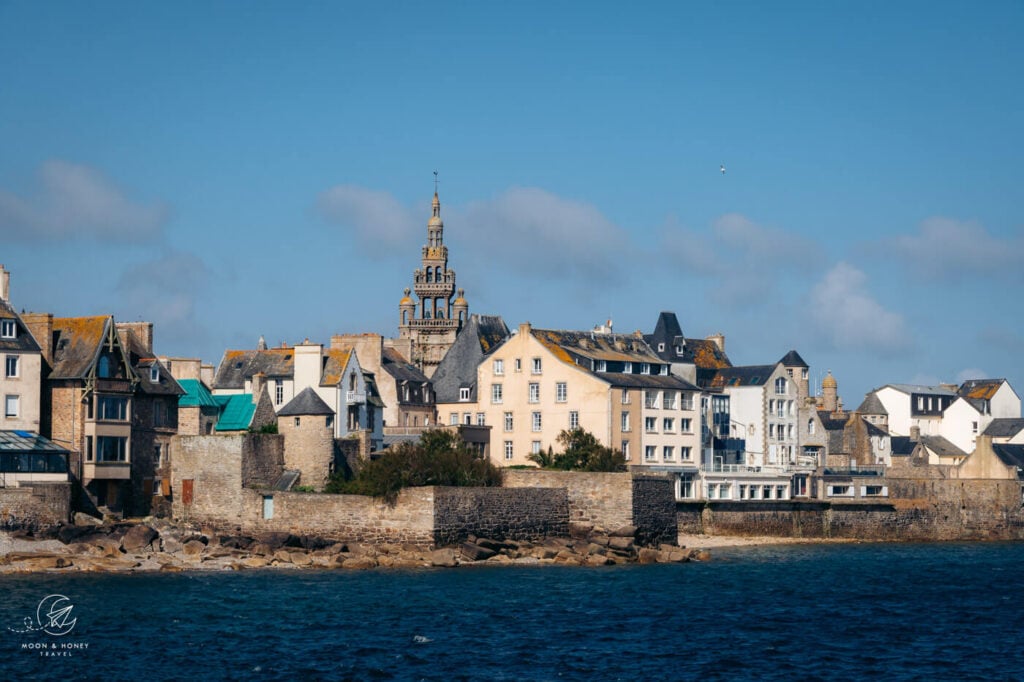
(158, 545)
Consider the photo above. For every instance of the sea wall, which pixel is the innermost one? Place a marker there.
(35, 507)
(503, 513)
(917, 509)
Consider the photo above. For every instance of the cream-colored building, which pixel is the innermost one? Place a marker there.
(541, 382)
(21, 376)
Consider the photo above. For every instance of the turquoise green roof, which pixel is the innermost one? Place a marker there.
(236, 411)
(196, 394)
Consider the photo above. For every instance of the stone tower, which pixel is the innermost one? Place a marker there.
(829, 393)
(432, 321)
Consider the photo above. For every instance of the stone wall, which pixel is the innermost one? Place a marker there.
(351, 518)
(35, 507)
(654, 502)
(262, 460)
(308, 448)
(501, 513)
(603, 500)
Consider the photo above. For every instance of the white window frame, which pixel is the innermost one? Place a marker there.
(464, 395)
(508, 450)
(574, 420)
(8, 329)
(496, 394)
(12, 406)
(561, 392)
(12, 367)
(154, 374)
(533, 395)
(536, 422)
(509, 422)
(499, 367)
(536, 366)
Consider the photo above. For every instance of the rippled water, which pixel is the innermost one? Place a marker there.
(911, 612)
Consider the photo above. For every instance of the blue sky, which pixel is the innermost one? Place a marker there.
(228, 170)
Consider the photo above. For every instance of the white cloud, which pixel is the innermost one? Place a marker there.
(848, 318)
(527, 229)
(76, 201)
(971, 373)
(377, 220)
(165, 291)
(745, 260)
(950, 249)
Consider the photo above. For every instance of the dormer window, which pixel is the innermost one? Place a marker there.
(661, 347)
(601, 366)
(627, 367)
(464, 395)
(645, 368)
(8, 330)
(663, 370)
(154, 374)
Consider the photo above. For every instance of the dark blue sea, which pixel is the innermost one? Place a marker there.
(798, 612)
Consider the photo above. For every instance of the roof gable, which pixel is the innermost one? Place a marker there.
(793, 359)
(195, 394)
(307, 402)
(238, 366)
(78, 344)
(23, 340)
(740, 377)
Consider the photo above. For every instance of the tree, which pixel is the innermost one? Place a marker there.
(581, 452)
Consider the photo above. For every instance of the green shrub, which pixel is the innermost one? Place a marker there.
(439, 458)
(582, 452)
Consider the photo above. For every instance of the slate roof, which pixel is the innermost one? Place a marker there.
(568, 346)
(703, 353)
(23, 339)
(668, 332)
(872, 405)
(395, 364)
(307, 402)
(923, 390)
(941, 447)
(481, 335)
(237, 411)
(238, 365)
(793, 359)
(751, 375)
(142, 362)
(834, 429)
(1004, 427)
(372, 393)
(875, 429)
(1011, 455)
(77, 344)
(196, 394)
(335, 360)
(980, 389)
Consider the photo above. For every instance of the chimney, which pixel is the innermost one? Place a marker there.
(524, 329)
(5, 284)
(142, 331)
(718, 340)
(915, 434)
(40, 325)
(259, 379)
(206, 374)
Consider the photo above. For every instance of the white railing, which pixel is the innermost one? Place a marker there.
(355, 397)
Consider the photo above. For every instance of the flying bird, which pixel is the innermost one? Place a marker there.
(722, 168)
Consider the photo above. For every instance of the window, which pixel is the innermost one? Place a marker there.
(7, 329)
(685, 487)
(650, 452)
(780, 386)
(874, 491)
(625, 397)
(508, 449)
(298, 421)
(685, 426)
(601, 366)
(112, 408)
(352, 381)
(771, 431)
(467, 418)
(154, 374)
(499, 367)
(840, 491)
(645, 368)
(11, 366)
(329, 422)
(685, 453)
(496, 394)
(535, 447)
(663, 370)
(686, 402)
(625, 450)
(535, 366)
(481, 419)
(668, 453)
(508, 421)
(535, 421)
(518, 364)
(278, 391)
(627, 368)
(661, 347)
(974, 425)
(668, 425)
(668, 400)
(625, 421)
(464, 395)
(651, 399)
(803, 374)
(103, 368)
(111, 449)
(453, 419)
(561, 392)
(534, 393)
(11, 405)
(574, 420)
(810, 427)
(650, 425)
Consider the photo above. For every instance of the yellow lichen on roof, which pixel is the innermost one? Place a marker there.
(706, 357)
(552, 341)
(334, 367)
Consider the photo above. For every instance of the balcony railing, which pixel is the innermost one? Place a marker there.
(355, 397)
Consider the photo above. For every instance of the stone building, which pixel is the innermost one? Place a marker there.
(431, 322)
(307, 424)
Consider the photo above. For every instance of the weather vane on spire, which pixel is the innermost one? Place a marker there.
(435, 182)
